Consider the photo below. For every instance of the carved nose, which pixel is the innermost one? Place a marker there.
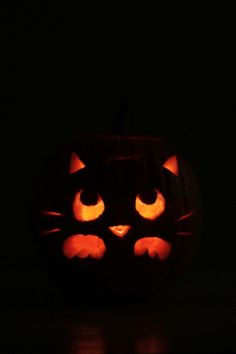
(120, 230)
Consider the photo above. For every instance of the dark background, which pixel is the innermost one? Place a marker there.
(65, 71)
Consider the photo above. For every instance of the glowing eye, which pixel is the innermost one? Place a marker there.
(150, 204)
(87, 206)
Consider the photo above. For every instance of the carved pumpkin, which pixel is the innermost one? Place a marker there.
(115, 215)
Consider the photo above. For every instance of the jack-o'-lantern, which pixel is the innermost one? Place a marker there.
(115, 215)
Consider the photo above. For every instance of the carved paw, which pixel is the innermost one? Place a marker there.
(153, 246)
(84, 246)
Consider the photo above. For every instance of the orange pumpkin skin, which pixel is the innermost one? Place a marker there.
(115, 215)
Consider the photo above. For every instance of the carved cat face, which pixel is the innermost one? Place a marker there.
(120, 207)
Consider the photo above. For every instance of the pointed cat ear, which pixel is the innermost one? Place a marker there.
(171, 164)
(75, 163)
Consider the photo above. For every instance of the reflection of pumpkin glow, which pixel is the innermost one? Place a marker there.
(84, 212)
(86, 339)
(172, 165)
(84, 246)
(102, 337)
(151, 211)
(75, 163)
(120, 230)
(150, 345)
(154, 246)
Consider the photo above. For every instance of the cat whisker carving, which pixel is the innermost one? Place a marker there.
(186, 216)
(184, 233)
(51, 213)
(52, 231)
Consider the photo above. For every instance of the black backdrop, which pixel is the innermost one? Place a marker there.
(65, 70)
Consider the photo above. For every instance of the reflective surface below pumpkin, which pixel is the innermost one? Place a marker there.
(128, 331)
(192, 322)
